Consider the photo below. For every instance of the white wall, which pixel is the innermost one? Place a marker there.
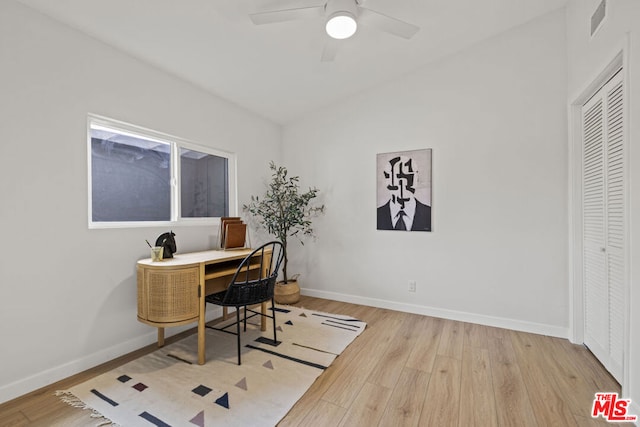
(495, 117)
(67, 293)
(587, 58)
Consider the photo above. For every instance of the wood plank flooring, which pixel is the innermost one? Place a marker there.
(409, 370)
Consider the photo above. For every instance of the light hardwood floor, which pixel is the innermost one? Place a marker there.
(409, 370)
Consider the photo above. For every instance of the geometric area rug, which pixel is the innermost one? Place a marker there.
(169, 388)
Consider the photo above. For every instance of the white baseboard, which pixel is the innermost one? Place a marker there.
(57, 373)
(499, 322)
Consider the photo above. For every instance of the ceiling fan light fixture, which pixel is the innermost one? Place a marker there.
(341, 25)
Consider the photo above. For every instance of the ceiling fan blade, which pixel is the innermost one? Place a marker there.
(386, 23)
(286, 15)
(330, 50)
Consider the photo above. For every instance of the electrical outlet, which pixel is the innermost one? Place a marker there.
(412, 285)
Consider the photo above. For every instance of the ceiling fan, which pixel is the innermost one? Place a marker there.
(342, 20)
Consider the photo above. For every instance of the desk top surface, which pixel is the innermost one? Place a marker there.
(189, 258)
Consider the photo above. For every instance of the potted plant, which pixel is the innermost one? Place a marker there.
(285, 212)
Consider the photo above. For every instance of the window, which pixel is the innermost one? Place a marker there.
(135, 174)
(204, 186)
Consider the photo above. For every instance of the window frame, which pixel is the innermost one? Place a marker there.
(175, 143)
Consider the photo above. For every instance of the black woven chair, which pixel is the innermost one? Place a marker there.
(253, 283)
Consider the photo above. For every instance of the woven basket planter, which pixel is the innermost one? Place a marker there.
(287, 293)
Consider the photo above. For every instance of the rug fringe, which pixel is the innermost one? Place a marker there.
(71, 400)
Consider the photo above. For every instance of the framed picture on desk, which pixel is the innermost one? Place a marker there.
(233, 233)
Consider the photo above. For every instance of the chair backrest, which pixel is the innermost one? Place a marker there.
(255, 278)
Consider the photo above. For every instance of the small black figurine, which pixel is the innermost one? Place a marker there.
(168, 242)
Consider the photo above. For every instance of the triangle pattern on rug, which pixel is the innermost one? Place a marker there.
(223, 400)
(242, 384)
(198, 419)
(288, 322)
(279, 328)
(187, 394)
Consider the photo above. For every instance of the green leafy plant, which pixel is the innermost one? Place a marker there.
(284, 211)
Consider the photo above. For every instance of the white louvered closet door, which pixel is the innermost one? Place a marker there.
(604, 225)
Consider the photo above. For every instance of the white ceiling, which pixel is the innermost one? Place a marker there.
(275, 70)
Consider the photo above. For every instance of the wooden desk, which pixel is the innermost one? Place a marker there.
(172, 292)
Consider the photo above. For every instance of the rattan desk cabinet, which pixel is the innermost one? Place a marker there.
(171, 292)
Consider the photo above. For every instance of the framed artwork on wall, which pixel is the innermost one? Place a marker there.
(404, 190)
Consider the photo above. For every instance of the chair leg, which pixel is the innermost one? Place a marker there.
(238, 330)
(273, 306)
(245, 318)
